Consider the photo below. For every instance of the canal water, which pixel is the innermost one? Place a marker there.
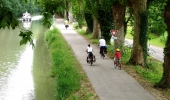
(25, 72)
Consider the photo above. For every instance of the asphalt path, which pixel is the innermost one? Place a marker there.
(155, 52)
(109, 83)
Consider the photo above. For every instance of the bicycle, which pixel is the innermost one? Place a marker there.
(66, 26)
(91, 59)
(102, 53)
(117, 63)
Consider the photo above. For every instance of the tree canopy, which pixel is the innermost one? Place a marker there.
(106, 15)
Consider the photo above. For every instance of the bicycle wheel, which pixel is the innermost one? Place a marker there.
(102, 55)
(119, 65)
(91, 62)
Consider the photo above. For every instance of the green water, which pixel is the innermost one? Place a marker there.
(24, 72)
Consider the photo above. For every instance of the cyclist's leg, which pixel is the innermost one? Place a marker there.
(117, 61)
(87, 57)
(105, 49)
(91, 57)
(100, 49)
(119, 64)
(94, 58)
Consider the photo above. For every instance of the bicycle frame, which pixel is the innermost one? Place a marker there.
(90, 59)
(117, 64)
(102, 53)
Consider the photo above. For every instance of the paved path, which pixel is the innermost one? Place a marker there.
(155, 52)
(108, 82)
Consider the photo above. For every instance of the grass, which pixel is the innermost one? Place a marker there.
(70, 78)
(154, 40)
(147, 77)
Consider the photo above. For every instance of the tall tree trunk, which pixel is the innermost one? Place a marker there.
(87, 30)
(65, 14)
(137, 55)
(165, 82)
(70, 15)
(96, 28)
(89, 21)
(118, 11)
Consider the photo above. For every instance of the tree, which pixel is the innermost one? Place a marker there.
(105, 18)
(8, 19)
(78, 11)
(165, 81)
(91, 7)
(156, 23)
(139, 50)
(89, 22)
(21, 6)
(118, 11)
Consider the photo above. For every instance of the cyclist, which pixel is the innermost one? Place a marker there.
(102, 44)
(117, 55)
(89, 50)
(66, 24)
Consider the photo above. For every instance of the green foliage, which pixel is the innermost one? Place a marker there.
(156, 23)
(78, 11)
(80, 20)
(51, 7)
(75, 25)
(64, 65)
(7, 18)
(20, 6)
(47, 19)
(82, 32)
(143, 34)
(153, 73)
(106, 23)
(149, 74)
(105, 19)
(89, 21)
(163, 38)
(26, 37)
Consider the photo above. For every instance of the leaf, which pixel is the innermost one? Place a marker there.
(23, 41)
(22, 34)
(14, 23)
(3, 24)
(26, 37)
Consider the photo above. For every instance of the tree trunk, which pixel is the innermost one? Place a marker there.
(118, 11)
(87, 30)
(65, 14)
(138, 8)
(165, 82)
(96, 28)
(70, 15)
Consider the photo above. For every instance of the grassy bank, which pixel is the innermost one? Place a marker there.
(71, 81)
(147, 77)
(153, 39)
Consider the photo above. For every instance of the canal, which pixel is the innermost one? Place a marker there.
(25, 72)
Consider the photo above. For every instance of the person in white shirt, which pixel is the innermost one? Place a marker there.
(102, 44)
(89, 50)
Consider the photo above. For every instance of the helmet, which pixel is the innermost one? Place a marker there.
(117, 49)
(89, 45)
